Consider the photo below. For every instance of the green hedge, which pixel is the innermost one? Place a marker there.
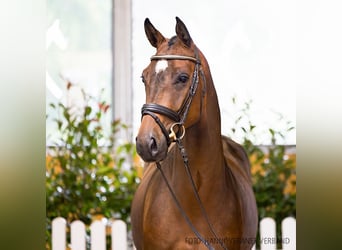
(88, 173)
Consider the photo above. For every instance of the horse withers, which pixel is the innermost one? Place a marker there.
(196, 191)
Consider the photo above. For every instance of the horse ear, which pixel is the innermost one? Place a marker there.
(183, 33)
(153, 35)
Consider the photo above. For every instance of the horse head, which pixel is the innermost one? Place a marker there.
(171, 81)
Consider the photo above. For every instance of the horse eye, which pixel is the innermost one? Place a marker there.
(142, 79)
(183, 78)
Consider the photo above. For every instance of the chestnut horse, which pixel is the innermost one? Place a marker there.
(196, 190)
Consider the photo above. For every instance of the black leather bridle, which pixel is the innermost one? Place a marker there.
(179, 117)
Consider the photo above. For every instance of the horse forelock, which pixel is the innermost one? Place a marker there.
(172, 41)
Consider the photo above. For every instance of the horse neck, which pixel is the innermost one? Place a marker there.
(203, 140)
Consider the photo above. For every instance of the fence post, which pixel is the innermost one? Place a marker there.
(78, 235)
(98, 235)
(119, 235)
(288, 229)
(58, 234)
(268, 238)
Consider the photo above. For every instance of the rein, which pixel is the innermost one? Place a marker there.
(179, 118)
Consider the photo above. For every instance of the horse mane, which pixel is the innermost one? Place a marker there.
(236, 159)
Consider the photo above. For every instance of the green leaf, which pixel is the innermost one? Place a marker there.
(104, 170)
(87, 111)
(271, 131)
(244, 130)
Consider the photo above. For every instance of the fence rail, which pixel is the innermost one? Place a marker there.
(118, 233)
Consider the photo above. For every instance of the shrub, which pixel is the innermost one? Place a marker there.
(87, 172)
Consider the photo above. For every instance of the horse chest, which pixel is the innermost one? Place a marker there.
(162, 224)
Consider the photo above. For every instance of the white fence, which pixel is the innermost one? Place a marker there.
(97, 238)
(118, 232)
(268, 236)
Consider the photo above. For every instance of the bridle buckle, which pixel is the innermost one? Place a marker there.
(179, 134)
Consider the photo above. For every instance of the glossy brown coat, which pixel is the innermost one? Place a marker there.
(219, 166)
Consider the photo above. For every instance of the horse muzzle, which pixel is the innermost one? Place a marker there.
(151, 143)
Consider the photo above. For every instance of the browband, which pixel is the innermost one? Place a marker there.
(175, 57)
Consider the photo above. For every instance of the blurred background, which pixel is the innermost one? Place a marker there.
(95, 53)
(102, 45)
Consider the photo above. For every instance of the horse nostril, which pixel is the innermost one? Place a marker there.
(153, 147)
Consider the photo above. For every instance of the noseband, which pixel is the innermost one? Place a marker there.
(179, 116)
